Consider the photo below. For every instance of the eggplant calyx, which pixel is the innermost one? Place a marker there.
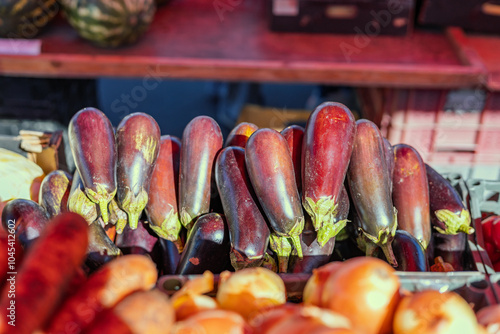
(79, 203)
(384, 241)
(454, 223)
(294, 235)
(102, 197)
(281, 246)
(269, 263)
(169, 229)
(120, 226)
(323, 210)
(241, 261)
(117, 215)
(328, 231)
(186, 219)
(133, 205)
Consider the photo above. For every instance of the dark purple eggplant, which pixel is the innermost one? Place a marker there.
(448, 212)
(138, 144)
(326, 150)
(239, 134)
(248, 230)
(162, 205)
(451, 247)
(138, 241)
(389, 156)
(207, 247)
(78, 202)
(54, 192)
(29, 219)
(409, 253)
(201, 141)
(369, 180)
(101, 249)
(169, 256)
(92, 142)
(294, 135)
(270, 169)
(410, 193)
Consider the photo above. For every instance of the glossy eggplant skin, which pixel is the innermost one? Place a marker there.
(294, 136)
(201, 141)
(92, 142)
(239, 134)
(409, 253)
(451, 247)
(448, 212)
(101, 249)
(163, 192)
(326, 151)
(54, 192)
(140, 238)
(78, 202)
(29, 219)
(270, 169)
(410, 193)
(138, 144)
(169, 256)
(207, 247)
(389, 155)
(248, 230)
(368, 178)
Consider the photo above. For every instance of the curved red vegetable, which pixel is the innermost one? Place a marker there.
(294, 135)
(163, 191)
(239, 134)
(201, 141)
(92, 142)
(270, 168)
(410, 193)
(327, 147)
(369, 180)
(248, 230)
(137, 142)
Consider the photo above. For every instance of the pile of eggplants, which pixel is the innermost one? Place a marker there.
(290, 201)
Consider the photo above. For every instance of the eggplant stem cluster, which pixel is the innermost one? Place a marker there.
(133, 205)
(282, 247)
(102, 197)
(169, 229)
(454, 223)
(328, 231)
(321, 211)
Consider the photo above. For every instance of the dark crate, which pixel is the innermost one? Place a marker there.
(360, 17)
(474, 15)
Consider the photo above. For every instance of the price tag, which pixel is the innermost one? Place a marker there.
(20, 47)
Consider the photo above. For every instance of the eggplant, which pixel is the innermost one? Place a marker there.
(328, 143)
(248, 230)
(117, 216)
(138, 241)
(78, 202)
(239, 134)
(201, 141)
(451, 247)
(294, 135)
(448, 212)
(54, 192)
(163, 192)
(169, 256)
(368, 178)
(343, 210)
(138, 144)
(92, 142)
(410, 193)
(101, 249)
(270, 169)
(207, 247)
(409, 253)
(389, 156)
(29, 219)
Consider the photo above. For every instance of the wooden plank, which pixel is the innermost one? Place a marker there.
(190, 39)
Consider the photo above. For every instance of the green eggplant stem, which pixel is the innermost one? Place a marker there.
(281, 246)
(330, 230)
(454, 223)
(120, 226)
(323, 210)
(169, 229)
(133, 219)
(103, 206)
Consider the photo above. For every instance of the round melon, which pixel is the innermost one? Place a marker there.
(110, 23)
(25, 18)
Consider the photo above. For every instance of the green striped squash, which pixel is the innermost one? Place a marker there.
(25, 18)
(110, 23)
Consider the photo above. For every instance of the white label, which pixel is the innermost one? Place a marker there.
(286, 7)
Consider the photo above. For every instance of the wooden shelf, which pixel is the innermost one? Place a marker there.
(189, 40)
